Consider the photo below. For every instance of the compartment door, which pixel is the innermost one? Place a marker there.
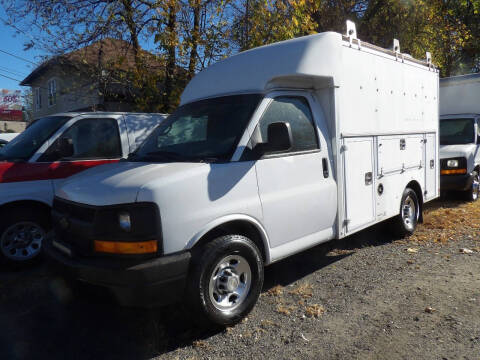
(430, 167)
(359, 183)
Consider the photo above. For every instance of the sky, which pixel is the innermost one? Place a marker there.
(10, 66)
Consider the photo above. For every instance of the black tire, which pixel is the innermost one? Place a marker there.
(36, 226)
(473, 193)
(206, 266)
(404, 224)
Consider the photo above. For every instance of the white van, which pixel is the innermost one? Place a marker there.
(272, 151)
(52, 148)
(459, 134)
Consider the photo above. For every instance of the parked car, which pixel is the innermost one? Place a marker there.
(272, 151)
(459, 134)
(35, 162)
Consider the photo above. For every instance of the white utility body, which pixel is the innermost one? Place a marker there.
(459, 134)
(296, 143)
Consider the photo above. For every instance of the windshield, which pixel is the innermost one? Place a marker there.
(457, 131)
(28, 142)
(206, 130)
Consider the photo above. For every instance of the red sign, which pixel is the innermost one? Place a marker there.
(11, 115)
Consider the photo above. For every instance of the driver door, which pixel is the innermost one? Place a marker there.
(296, 187)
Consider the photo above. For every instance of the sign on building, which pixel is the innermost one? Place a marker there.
(10, 105)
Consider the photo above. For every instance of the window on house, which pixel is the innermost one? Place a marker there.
(52, 92)
(38, 99)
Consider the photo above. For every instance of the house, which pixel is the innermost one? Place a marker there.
(88, 79)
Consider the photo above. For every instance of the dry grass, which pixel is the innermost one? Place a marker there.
(448, 221)
(314, 310)
(304, 291)
(285, 309)
(200, 344)
(275, 291)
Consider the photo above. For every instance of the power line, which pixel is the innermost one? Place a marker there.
(18, 57)
(8, 77)
(15, 73)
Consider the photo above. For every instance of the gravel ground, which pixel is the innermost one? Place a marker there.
(365, 297)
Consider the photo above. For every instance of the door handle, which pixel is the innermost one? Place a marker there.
(368, 178)
(325, 167)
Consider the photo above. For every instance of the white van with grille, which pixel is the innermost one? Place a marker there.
(271, 152)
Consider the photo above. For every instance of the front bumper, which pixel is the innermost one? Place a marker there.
(456, 182)
(142, 283)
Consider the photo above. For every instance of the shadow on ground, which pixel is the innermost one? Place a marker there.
(41, 318)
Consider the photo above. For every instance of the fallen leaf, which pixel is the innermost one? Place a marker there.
(314, 310)
(429, 309)
(412, 250)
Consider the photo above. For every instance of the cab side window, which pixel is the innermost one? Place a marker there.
(295, 111)
(87, 139)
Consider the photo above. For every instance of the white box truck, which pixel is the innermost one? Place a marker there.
(272, 151)
(459, 134)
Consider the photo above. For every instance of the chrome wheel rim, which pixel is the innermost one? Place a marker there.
(409, 213)
(22, 241)
(230, 282)
(475, 187)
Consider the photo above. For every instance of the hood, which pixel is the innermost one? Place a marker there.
(118, 183)
(460, 150)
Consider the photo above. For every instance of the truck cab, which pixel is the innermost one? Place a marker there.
(34, 163)
(459, 156)
(459, 135)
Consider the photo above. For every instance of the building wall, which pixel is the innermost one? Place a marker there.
(15, 126)
(73, 92)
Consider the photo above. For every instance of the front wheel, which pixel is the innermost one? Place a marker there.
(406, 222)
(225, 280)
(21, 235)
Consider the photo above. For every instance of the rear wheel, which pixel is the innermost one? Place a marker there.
(472, 193)
(406, 222)
(225, 280)
(22, 234)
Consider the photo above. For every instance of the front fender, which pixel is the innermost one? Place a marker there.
(229, 218)
(39, 190)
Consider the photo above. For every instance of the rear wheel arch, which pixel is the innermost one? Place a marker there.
(415, 186)
(244, 227)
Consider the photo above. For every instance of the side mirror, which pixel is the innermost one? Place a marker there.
(65, 147)
(279, 137)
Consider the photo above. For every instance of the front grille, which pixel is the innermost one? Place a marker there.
(73, 225)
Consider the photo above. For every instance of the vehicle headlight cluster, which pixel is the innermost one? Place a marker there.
(124, 221)
(452, 163)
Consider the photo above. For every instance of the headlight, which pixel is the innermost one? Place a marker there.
(452, 163)
(124, 221)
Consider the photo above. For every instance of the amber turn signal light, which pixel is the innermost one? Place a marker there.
(124, 247)
(453, 171)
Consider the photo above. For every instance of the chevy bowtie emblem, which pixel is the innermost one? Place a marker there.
(64, 223)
